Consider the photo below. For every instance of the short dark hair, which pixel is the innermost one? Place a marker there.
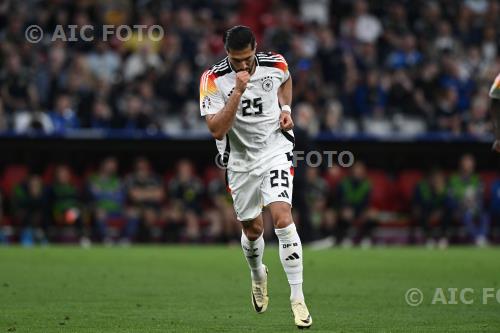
(238, 37)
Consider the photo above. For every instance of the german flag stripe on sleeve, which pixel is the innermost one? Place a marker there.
(207, 84)
(271, 59)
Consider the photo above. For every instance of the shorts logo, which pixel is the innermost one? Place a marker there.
(206, 103)
(284, 194)
(267, 84)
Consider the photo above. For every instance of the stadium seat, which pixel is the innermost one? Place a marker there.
(13, 175)
(488, 177)
(383, 193)
(334, 175)
(405, 185)
(168, 176)
(210, 174)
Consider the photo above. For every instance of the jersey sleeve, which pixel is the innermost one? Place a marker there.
(211, 100)
(283, 66)
(495, 88)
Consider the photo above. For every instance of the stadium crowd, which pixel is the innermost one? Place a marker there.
(341, 206)
(380, 67)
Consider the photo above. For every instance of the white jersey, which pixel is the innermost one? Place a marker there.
(255, 136)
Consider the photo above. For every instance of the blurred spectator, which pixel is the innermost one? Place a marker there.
(400, 94)
(150, 102)
(427, 22)
(64, 117)
(102, 116)
(29, 207)
(50, 74)
(448, 115)
(32, 122)
(429, 208)
(138, 116)
(79, 83)
(279, 36)
(145, 196)
(223, 223)
(405, 56)
(317, 198)
(65, 202)
(333, 118)
(104, 63)
(139, 62)
(17, 89)
(445, 41)
(303, 117)
(455, 78)
(185, 192)
(479, 122)
(370, 96)
(315, 11)
(426, 87)
(367, 27)
(107, 197)
(178, 85)
(330, 57)
(355, 218)
(466, 192)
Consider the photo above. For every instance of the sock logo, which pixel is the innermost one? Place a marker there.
(252, 256)
(293, 256)
(284, 194)
(285, 246)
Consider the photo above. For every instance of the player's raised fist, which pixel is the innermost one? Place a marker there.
(242, 79)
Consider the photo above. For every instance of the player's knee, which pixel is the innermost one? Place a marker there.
(253, 234)
(253, 230)
(283, 220)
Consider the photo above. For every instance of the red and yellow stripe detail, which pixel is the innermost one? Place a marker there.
(207, 84)
(281, 62)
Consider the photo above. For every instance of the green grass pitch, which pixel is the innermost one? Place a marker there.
(207, 289)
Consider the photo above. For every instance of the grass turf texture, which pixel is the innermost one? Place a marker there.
(207, 289)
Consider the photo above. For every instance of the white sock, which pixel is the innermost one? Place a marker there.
(253, 251)
(291, 259)
(296, 293)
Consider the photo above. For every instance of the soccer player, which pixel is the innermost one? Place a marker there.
(495, 112)
(246, 99)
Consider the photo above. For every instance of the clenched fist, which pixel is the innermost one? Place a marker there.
(242, 79)
(286, 122)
